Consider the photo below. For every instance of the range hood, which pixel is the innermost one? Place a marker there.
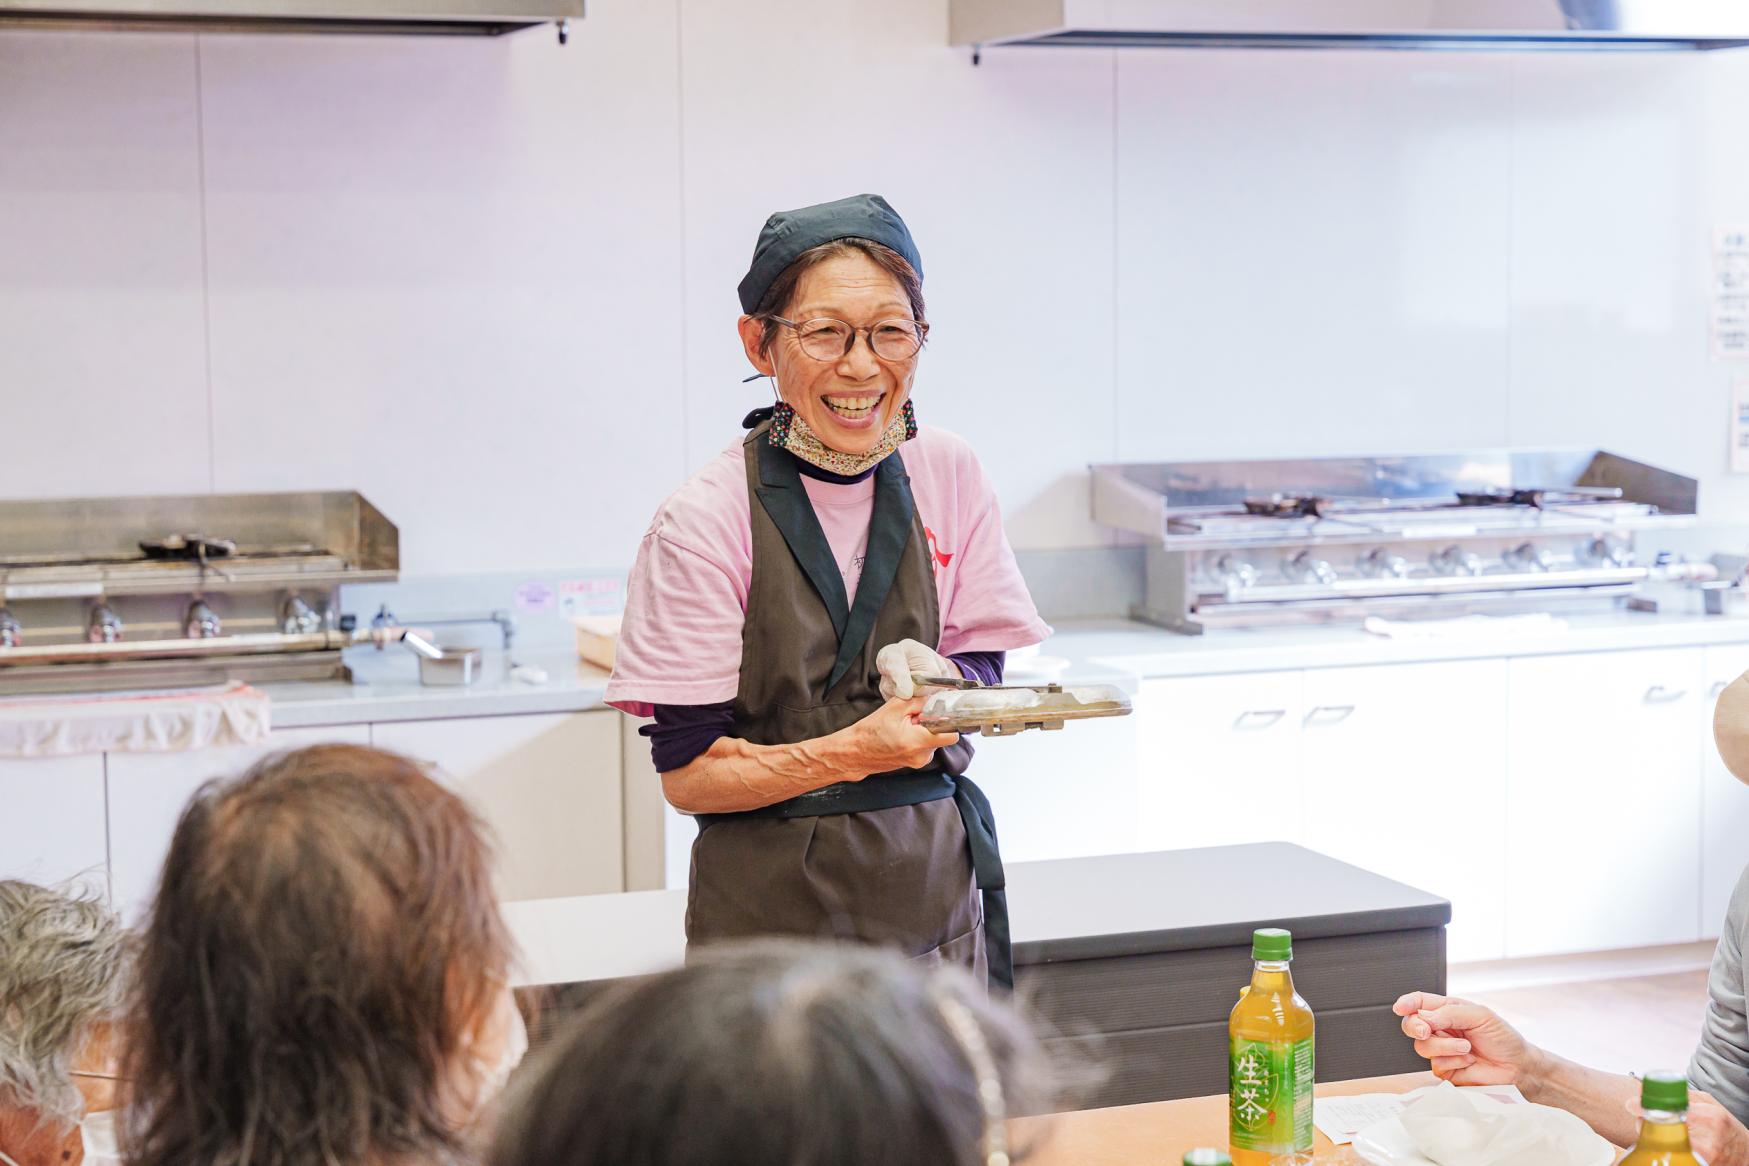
(405, 17)
(1495, 25)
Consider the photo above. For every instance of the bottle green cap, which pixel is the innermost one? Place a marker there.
(1272, 944)
(1664, 1092)
(1207, 1158)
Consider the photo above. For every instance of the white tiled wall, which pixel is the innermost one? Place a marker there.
(1313, 253)
(491, 284)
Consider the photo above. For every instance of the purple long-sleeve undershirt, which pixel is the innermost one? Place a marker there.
(682, 732)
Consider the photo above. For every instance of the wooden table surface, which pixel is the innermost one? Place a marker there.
(1159, 1133)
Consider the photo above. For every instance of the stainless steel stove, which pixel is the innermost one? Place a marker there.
(110, 593)
(1245, 543)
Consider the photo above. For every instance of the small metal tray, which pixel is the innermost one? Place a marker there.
(1002, 711)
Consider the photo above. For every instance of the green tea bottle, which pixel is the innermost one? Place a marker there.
(1270, 1062)
(1663, 1123)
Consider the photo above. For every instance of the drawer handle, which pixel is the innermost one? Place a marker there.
(1256, 719)
(1658, 694)
(1330, 714)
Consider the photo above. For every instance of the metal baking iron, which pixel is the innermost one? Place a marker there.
(1000, 710)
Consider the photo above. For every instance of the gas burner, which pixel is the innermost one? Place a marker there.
(1287, 506)
(1536, 498)
(193, 547)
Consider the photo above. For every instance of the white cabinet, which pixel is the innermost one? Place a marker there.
(1603, 801)
(147, 793)
(1061, 794)
(1219, 760)
(52, 822)
(1405, 775)
(547, 785)
(1724, 800)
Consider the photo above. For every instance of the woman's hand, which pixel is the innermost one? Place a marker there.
(1466, 1043)
(1717, 1136)
(891, 738)
(898, 662)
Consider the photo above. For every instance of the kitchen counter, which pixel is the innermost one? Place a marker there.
(1130, 960)
(1062, 910)
(1140, 650)
(386, 685)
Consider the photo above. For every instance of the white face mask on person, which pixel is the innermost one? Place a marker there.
(488, 1059)
(494, 1077)
(96, 1134)
(97, 1131)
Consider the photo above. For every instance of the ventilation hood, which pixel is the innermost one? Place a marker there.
(406, 17)
(1489, 25)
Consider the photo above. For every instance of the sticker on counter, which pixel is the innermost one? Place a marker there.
(536, 599)
(594, 595)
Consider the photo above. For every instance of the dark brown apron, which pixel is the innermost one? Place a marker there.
(906, 859)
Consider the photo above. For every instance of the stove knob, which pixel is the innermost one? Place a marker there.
(1236, 573)
(11, 631)
(1604, 551)
(200, 623)
(1304, 568)
(1382, 564)
(104, 626)
(1454, 560)
(1529, 557)
(296, 618)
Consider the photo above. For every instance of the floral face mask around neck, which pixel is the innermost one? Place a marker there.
(789, 431)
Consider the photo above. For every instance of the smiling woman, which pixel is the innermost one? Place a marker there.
(785, 598)
(845, 404)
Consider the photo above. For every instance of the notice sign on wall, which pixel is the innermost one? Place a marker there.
(593, 595)
(1730, 299)
(1740, 426)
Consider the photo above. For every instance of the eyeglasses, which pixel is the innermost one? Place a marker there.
(826, 339)
(970, 1037)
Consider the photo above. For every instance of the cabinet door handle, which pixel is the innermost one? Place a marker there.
(1330, 714)
(1257, 719)
(1658, 694)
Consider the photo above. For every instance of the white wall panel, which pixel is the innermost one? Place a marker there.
(1610, 260)
(446, 272)
(1311, 253)
(491, 283)
(102, 355)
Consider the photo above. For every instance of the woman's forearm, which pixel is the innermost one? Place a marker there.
(734, 775)
(1600, 1098)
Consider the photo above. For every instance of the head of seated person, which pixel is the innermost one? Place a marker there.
(323, 978)
(778, 1052)
(62, 963)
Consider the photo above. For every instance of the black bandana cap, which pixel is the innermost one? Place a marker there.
(789, 233)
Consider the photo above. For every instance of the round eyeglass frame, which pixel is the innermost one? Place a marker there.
(918, 329)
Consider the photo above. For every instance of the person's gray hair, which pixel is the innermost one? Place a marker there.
(61, 963)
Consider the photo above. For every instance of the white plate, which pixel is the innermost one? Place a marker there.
(1388, 1143)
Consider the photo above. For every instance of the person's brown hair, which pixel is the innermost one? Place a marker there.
(778, 1053)
(324, 937)
(781, 295)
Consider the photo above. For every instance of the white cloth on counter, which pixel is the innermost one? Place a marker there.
(1468, 627)
(168, 721)
(1452, 1127)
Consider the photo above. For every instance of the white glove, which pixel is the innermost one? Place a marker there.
(896, 663)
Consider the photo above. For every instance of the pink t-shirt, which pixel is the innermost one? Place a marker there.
(686, 600)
